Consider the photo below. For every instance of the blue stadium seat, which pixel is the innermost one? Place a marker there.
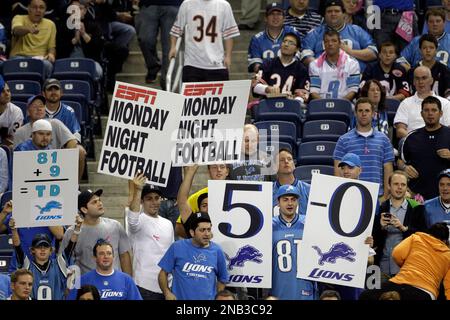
(269, 147)
(76, 90)
(324, 130)
(23, 106)
(19, 69)
(391, 109)
(278, 109)
(286, 131)
(21, 90)
(316, 152)
(330, 109)
(305, 172)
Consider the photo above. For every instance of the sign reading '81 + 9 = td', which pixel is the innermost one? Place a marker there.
(45, 187)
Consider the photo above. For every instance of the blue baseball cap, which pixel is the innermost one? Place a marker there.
(444, 173)
(288, 190)
(274, 6)
(32, 98)
(350, 159)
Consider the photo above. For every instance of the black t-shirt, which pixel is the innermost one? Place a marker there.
(419, 150)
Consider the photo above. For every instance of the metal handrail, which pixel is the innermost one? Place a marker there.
(176, 84)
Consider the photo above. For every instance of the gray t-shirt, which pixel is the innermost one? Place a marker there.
(107, 229)
(60, 134)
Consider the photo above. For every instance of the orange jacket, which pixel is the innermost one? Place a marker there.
(424, 261)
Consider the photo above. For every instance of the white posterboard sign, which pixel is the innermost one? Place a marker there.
(212, 121)
(241, 215)
(339, 218)
(45, 187)
(138, 134)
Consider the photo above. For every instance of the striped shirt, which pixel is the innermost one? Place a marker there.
(305, 23)
(375, 151)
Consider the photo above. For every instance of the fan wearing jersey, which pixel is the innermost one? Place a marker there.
(411, 55)
(287, 235)
(266, 44)
(205, 24)
(441, 74)
(111, 283)
(11, 117)
(49, 274)
(284, 74)
(334, 74)
(356, 42)
(391, 74)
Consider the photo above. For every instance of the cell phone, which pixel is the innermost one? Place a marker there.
(388, 215)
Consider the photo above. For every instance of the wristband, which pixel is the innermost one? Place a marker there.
(76, 232)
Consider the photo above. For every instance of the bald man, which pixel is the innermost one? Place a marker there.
(408, 117)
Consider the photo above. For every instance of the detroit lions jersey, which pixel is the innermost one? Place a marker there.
(67, 116)
(352, 35)
(411, 53)
(48, 284)
(287, 77)
(286, 242)
(395, 81)
(11, 118)
(263, 47)
(334, 81)
(116, 286)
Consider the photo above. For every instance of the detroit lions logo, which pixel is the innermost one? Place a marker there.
(201, 257)
(244, 254)
(338, 250)
(49, 206)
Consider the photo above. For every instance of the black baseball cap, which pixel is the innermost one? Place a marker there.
(41, 240)
(85, 196)
(197, 218)
(52, 82)
(444, 173)
(274, 6)
(149, 188)
(331, 3)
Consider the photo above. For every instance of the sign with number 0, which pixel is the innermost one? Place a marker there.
(339, 218)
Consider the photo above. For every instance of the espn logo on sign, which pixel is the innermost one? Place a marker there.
(134, 94)
(329, 105)
(320, 148)
(203, 89)
(324, 127)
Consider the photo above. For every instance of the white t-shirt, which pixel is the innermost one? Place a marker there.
(11, 118)
(330, 82)
(409, 112)
(207, 23)
(150, 238)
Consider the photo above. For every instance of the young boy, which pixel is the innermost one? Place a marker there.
(50, 274)
(390, 73)
(428, 45)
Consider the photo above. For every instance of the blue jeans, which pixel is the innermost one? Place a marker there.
(148, 23)
(122, 33)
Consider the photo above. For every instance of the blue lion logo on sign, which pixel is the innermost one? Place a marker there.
(49, 206)
(244, 254)
(338, 250)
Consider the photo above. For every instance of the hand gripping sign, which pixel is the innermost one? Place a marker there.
(338, 220)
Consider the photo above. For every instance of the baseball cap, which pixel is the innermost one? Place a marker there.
(274, 6)
(31, 99)
(41, 239)
(332, 3)
(85, 196)
(41, 125)
(2, 83)
(198, 217)
(149, 188)
(288, 190)
(350, 159)
(444, 173)
(52, 82)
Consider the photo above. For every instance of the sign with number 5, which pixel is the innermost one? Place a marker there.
(241, 214)
(339, 218)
